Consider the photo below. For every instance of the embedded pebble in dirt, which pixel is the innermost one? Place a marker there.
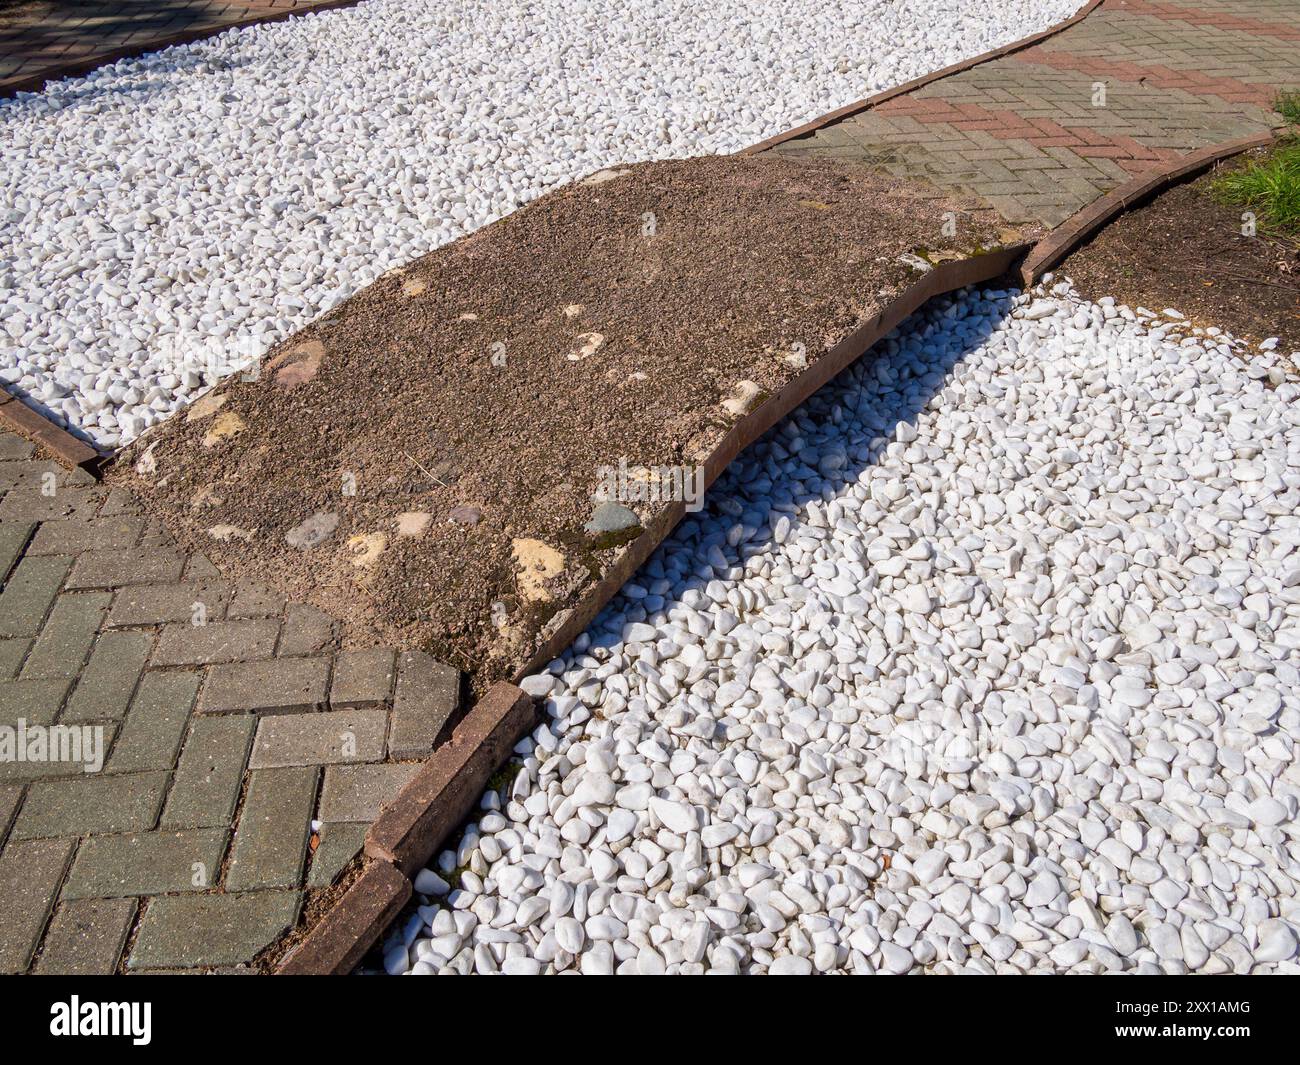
(984, 660)
(167, 220)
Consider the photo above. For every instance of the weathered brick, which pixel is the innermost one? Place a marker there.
(106, 684)
(320, 738)
(64, 642)
(10, 795)
(13, 539)
(282, 685)
(27, 502)
(146, 863)
(91, 803)
(35, 701)
(428, 694)
(30, 873)
(363, 678)
(71, 537)
(358, 792)
(13, 447)
(112, 569)
(274, 825)
(306, 630)
(157, 604)
(198, 931)
(28, 593)
(151, 734)
(217, 641)
(254, 600)
(210, 773)
(86, 937)
(60, 767)
(337, 844)
(11, 657)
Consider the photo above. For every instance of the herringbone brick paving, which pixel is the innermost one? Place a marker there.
(1043, 132)
(244, 753)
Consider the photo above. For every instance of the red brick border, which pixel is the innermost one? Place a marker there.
(23, 420)
(879, 98)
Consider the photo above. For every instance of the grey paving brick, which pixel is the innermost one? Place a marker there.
(274, 825)
(358, 792)
(320, 738)
(217, 641)
(198, 931)
(363, 677)
(30, 873)
(254, 600)
(28, 593)
(86, 937)
(35, 701)
(106, 684)
(10, 796)
(146, 863)
(62, 765)
(13, 539)
(71, 537)
(151, 734)
(157, 604)
(306, 630)
(13, 447)
(91, 803)
(61, 648)
(11, 657)
(112, 569)
(281, 685)
(210, 773)
(337, 844)
(427, 696)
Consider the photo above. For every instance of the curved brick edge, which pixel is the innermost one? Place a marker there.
(947, 276)
(34, 82)
(1076, 229)
(410, 829)
(879, 98)
(26, 422)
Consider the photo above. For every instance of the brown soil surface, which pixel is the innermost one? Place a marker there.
(441, 434)
(1186, 251)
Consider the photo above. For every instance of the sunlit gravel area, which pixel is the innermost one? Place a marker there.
(167, 219)
(984, 660)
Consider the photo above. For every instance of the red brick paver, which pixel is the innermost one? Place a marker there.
(1043, 132)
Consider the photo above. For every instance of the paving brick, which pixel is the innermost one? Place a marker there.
(210, 773)
(320, 738)
(363, 678)
(274, 825)
(62, 765)
(112, 569)
(71, 537)
(253, 600)
(13, 539)
(10, 796)
(11, 657)
(157, 604)
(30, 873)
(151, 734)
(306, 630)
(217, 641)
(111, 675)
(13, 447)
(198, 931)
(28, 593)
(337, 844)
(358, 792)
(86, 937)
(282, 685)
(427, 696)
(91, 803)
(64, 642)
(35, 701)
(146, 863)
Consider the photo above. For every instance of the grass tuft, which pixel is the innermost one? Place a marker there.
(1269, 187)
(1287, 104)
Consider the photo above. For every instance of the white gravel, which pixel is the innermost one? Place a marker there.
(983, 665)
(166, 219)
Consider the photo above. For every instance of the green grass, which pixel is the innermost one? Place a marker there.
(1287, 105)
(1270, 187)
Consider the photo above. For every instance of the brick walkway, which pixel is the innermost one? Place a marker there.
(46, 38)
(230, 721)
(1030, 133)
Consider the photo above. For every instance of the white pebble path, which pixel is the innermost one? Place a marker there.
(166, 219)
(986, 659)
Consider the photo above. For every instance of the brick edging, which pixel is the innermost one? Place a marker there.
(410, 829)
(34, 82)
(27, 422)
(1076, 229)
(869, 102)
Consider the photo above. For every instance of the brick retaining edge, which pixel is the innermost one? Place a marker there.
(879, 98)
(29, 423)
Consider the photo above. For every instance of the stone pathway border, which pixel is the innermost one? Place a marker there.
(65, 39)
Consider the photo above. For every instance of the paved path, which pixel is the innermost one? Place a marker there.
(46, 38)
(1032, 134)
(230, 721)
